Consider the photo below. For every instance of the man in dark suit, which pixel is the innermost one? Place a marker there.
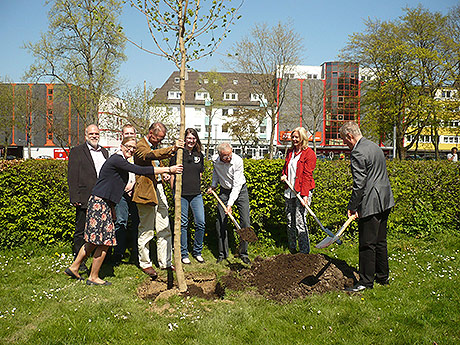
(85, 162)
(371, 200)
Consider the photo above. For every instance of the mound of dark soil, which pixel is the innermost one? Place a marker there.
(288, 276)
(282, 278)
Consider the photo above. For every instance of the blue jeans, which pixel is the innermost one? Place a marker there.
(195, 202)
(125, 208)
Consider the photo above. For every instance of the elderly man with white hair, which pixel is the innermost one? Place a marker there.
(228, 172)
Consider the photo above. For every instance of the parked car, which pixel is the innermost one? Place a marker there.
(44, 157)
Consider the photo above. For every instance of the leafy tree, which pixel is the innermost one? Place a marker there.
(83, 47)
(184, 31)
(243, 125)
(410, 58)
(266, 56)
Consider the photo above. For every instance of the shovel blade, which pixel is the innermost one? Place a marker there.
(325, 243)
(247, 234)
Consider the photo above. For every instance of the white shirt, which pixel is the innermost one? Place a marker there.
(229, 176)
(450, 155)
(97, 156)
(292, 173)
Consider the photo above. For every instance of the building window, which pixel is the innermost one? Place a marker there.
(173, 94)
(201, 95)
(198, 128)
(224, 112)
(230, 96)
(205, 81)
(446, 94)
(225, 128)
(254, 82)
(176, 79)
(235, 81)
(263, 129)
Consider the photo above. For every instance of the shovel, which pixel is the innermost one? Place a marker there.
(329, 240)
(246, 234)
(326, 230)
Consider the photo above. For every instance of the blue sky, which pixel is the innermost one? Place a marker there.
(323, 25)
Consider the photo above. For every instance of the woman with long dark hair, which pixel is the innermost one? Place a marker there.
(193, 161)
(99, 230)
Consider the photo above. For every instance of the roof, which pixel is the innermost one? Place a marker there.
(243, 87)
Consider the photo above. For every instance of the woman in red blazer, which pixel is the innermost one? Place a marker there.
(298, 170)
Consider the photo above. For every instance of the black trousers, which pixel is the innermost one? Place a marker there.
(373, 253)
(242, 203)
(80, 221)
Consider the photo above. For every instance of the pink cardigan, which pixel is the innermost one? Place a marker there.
(304, 176)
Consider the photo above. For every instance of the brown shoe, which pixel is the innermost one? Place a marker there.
(151, 272)
(169, 268)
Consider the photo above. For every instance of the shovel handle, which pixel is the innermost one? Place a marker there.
(225, 207)
(345, 225)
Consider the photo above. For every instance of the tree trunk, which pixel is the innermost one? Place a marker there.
(177, 198)
(209, 132)
(272, 137)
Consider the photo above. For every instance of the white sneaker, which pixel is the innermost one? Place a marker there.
(199, 258)
(186, 261)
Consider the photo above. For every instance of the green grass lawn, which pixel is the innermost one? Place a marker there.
(40, 305)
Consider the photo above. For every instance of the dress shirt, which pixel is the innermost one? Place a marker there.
(229, 176)
(97, 156)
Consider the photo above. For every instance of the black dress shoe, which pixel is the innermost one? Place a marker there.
(71, 274)
(383, 282)
(246, 260)
(357, 288)
(90, 282)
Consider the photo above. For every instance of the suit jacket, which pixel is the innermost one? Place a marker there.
(144, 189)
(81, 174)
(304, 181)
(371, 187)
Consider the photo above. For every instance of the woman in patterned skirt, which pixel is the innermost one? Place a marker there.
(99, 229)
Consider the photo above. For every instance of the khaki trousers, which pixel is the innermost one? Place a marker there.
(153, 218)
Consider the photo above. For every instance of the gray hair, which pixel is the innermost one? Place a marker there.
(350, 127)
(224, 147)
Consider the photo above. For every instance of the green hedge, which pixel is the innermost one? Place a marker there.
(34, 205)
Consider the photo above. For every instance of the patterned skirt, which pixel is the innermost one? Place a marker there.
(99, 229)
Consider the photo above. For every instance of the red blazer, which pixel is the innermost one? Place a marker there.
(304, 181)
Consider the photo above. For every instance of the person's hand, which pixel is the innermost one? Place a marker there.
(76, 204)
(228, 210)
(210, 189)
(176, 169)
(352, 214)
(306, 201)
(283, 177)
(166, 177)
(180, 143)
